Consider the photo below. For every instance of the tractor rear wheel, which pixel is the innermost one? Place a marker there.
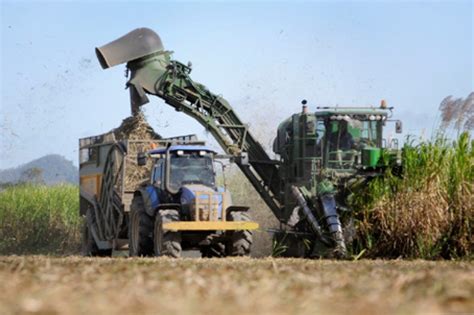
(89, 247)
(166, 243)
(241, 240)
(213, 250)
(140, 229)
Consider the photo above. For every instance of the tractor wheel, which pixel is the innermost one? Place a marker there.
(140, 230)
(213, 250)
(241, 240)
(89, 247)
(166, 243)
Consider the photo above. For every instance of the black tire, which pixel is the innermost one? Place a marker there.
(166, 243)
(140, 230)
(89, 247)
(214, 250)
(241, 241)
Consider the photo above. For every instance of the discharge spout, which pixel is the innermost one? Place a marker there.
(138, 43)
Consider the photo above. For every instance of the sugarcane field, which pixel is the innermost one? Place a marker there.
(243, 157)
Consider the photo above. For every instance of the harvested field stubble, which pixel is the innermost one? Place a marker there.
(233, 286)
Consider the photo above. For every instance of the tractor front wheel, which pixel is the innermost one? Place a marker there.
(213, 251)
(166, 243)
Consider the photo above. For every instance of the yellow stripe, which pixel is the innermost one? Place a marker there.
(210, 225)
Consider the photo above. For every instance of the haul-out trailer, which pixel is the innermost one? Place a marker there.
(157, 197)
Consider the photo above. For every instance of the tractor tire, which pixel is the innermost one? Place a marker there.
(166, 243)
(140, 230)
(89, 247)
(217, 250)
(241, 240)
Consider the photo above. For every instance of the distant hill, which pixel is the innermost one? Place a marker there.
(50, 169)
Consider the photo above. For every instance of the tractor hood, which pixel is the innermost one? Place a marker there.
(205, 198)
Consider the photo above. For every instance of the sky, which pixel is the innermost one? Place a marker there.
(263, 57)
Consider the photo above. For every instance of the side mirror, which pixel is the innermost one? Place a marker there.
(398, 127)
(141, 159)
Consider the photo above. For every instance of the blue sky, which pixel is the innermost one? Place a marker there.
(263, 57)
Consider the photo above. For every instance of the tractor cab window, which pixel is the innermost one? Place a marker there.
(158, 173)
(191, 168)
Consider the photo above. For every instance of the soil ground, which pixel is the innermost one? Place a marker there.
(76, 285)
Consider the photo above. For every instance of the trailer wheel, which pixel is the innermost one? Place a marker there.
(140, 238)
(166, 243)
(89, 247)
(241, 241)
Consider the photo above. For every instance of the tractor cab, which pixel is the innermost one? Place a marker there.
(180, 165)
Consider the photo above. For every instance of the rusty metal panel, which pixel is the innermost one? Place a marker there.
(91, 183)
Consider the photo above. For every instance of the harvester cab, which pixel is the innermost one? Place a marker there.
(323, 155)
(343, 139)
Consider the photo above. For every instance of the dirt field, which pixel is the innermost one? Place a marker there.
(38, 284)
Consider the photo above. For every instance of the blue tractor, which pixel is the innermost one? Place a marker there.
(181, 207)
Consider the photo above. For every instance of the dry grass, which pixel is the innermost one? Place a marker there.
(428, 212)
(457, 113)
(38, 284)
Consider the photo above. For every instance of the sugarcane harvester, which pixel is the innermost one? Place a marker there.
(306, 188)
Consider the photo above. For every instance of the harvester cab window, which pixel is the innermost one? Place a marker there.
(342, 140)
(368, 134)
(340, 136)
(191, 168)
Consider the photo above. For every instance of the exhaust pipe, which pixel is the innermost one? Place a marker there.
(138, 43)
